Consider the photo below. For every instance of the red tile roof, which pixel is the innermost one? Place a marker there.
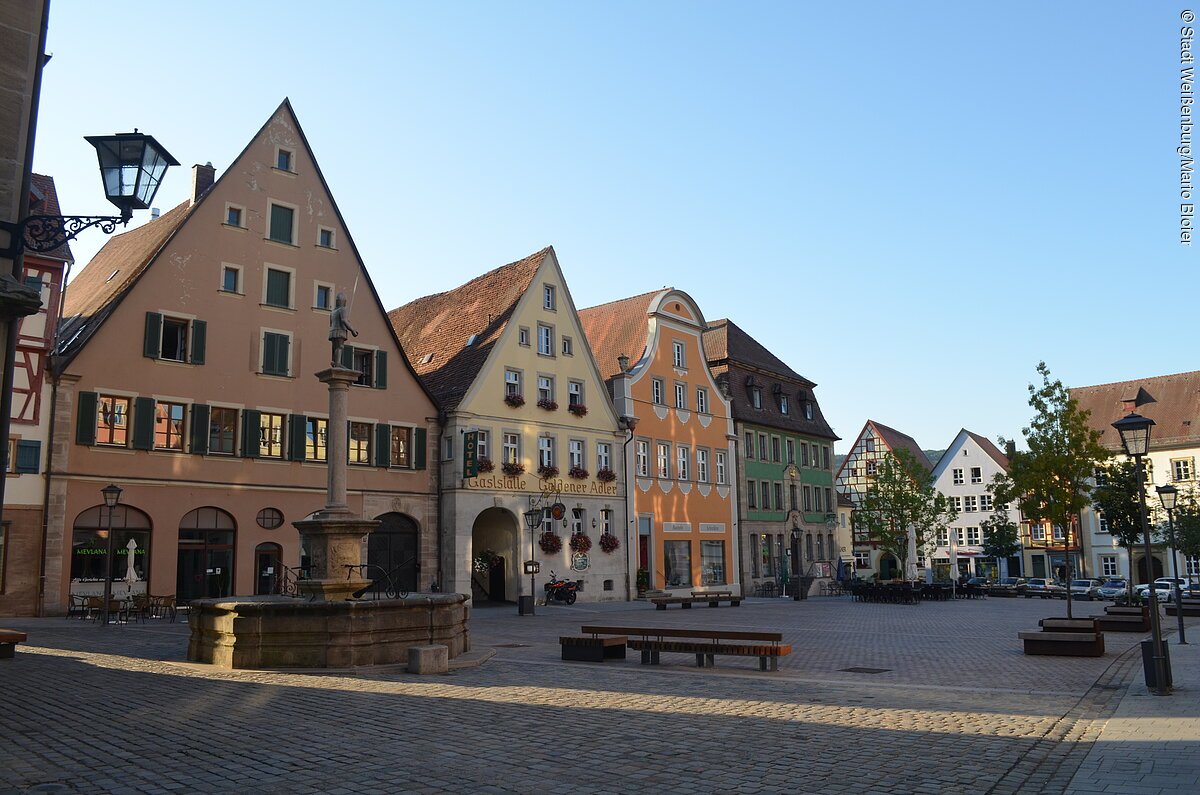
(616, 328)
(44, 201)
(895, 440)
(434, 330)
(990, 448)
(724, 339)
(1172, 401)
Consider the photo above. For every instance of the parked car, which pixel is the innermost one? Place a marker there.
(1086, 588)
(1046, 589)
(1164, 587)
(982, 582)
(1113, 587)
(1007, 586)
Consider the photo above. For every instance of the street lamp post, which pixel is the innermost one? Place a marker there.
(1135, 436)
(112, 496)
(533, 520)
(796, 563)
(1167, 495)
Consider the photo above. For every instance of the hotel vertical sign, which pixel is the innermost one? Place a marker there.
(470, 454)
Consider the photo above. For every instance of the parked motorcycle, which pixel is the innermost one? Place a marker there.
(560, 590)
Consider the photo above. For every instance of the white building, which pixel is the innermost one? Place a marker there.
(963, 475)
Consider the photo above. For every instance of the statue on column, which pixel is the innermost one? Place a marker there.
(339, 324)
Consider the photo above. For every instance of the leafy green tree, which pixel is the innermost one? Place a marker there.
(901, 503)
(1000, 539)
(1050, 480)
(1116, 495)
(1187, 524)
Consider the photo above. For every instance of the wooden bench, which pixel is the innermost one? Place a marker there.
(9, 638)
(1068, 624)
(1067, 644)
(1191, 607)
(1125, 610)
(1123, 623)
(711, 598)
(704, 643)
(593, 648)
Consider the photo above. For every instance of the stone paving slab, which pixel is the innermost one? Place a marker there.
(118, 710)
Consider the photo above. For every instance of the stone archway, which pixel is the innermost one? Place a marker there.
(1156, 568)
(207, 538)
(392, 553)
(89, 550)
(495, 531)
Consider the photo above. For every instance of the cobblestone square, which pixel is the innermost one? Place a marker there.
(959, 709)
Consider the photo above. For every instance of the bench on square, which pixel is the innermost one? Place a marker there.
(9, 638)
(1191, 607)
(704, 643)
(1127, 610)
(1068, 624)
(592, 648)
(711, 598)
(1139, 622)
(1066, 644)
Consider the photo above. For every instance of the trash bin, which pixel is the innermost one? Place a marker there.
(524, 606)
(1148, 663)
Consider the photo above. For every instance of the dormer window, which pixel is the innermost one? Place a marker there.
(808, 411)
(283, 160)
(756, 397)
(677, 355)
(783, 404)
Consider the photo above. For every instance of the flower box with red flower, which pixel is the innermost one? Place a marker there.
(516, 401)
(578, 409)
(609, 543)
(485, 465)
(547, 472)
(605, 475)
(579, 473)
(512, 468)
(547, 404)
(550, 543)
(580, 542)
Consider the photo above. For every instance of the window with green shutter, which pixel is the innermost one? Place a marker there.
(143, 423)
(418, 448)
(275, 353)
(199, 341)
(381, 369)
(282, 223)
(152, 343)
(297, 437)
(279, 288)
(29, 456)
(383, 445)
(250, 433)
(200, 428)
(85, 418)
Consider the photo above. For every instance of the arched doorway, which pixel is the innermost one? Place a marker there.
(494, 556)
(889, 567)
(1156, 568)
(392, 548)
(89, 551)
(206, 540)
(268, 560)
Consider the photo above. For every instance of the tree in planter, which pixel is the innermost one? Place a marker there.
(1187, 526)
(1049, 481)
(1116, 495)
(1000, 539)
(901, 509)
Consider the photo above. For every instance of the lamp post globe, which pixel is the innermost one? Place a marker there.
(533, 518)
(112, 496)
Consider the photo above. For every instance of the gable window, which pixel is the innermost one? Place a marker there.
(720, 466)
(976, 474)
(360, 443)
(231, 279)
(278, 289)
(574, 393)
(970, 504)
(174, 339)
(680, 395)
(957, 475)
(643, 458)
(656, 391)
(523, 337)
(567, 348)
(682, 459)
(548, 296)
(1182, 468)
(677, 355)
(168, 425)
(270, 435)
(701, 465)
(316, 433)
(702, 400)
(664, 460)
(233, 215)
(511, 452)
(283, 224)
(756, 397)
(512, 383)
(783, 404)
(870, 445)
(575, 453)
(283, 159)
(325, 237)
(871, 469)
(276, 353)
(401, 445)
(112, 420)
(546, 451)
(222, 430)
(603, 455)
(545, 340)
(323, 297)
(545, 388)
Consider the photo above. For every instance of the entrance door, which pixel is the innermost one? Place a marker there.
(889, 568)
(206, 542)
(392, 553)
(1156, 567)
(267, 561)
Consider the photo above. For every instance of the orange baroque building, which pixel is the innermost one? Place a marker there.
(679, 468)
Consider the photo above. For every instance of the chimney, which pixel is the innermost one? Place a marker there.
(203, 177)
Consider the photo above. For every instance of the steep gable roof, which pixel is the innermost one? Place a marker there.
(616, 328)
(726, 340)
(435, 329)
(44, 201)
(1172, 401)
(990, 448)
(897, 440)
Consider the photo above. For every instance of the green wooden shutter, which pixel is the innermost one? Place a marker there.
(418, 448)
(281, 354)
(143, 423)
(152, 344)
(85, 418)
(250, 433)
(29, 456)
(200, 429)
(297, 437)
(199, 341)
(381, 369)
(268, 352)
(383, 445)
(348, 357)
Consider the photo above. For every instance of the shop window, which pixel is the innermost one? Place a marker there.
(677, 563)
(712, 562)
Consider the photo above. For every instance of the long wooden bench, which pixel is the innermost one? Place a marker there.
(1068, 644)
(768, 647)
(1068, 624)
(711, 598)
(1191, 607)
(593, 648)
(9, 638)
(1127, 610)
(1123, 623)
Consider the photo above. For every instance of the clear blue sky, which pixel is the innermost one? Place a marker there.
(909, 203)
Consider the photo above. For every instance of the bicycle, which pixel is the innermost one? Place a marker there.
(392, 589)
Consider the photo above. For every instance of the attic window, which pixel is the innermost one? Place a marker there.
(427, 358)
(112, 276)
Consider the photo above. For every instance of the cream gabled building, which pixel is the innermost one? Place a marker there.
(507, 360)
